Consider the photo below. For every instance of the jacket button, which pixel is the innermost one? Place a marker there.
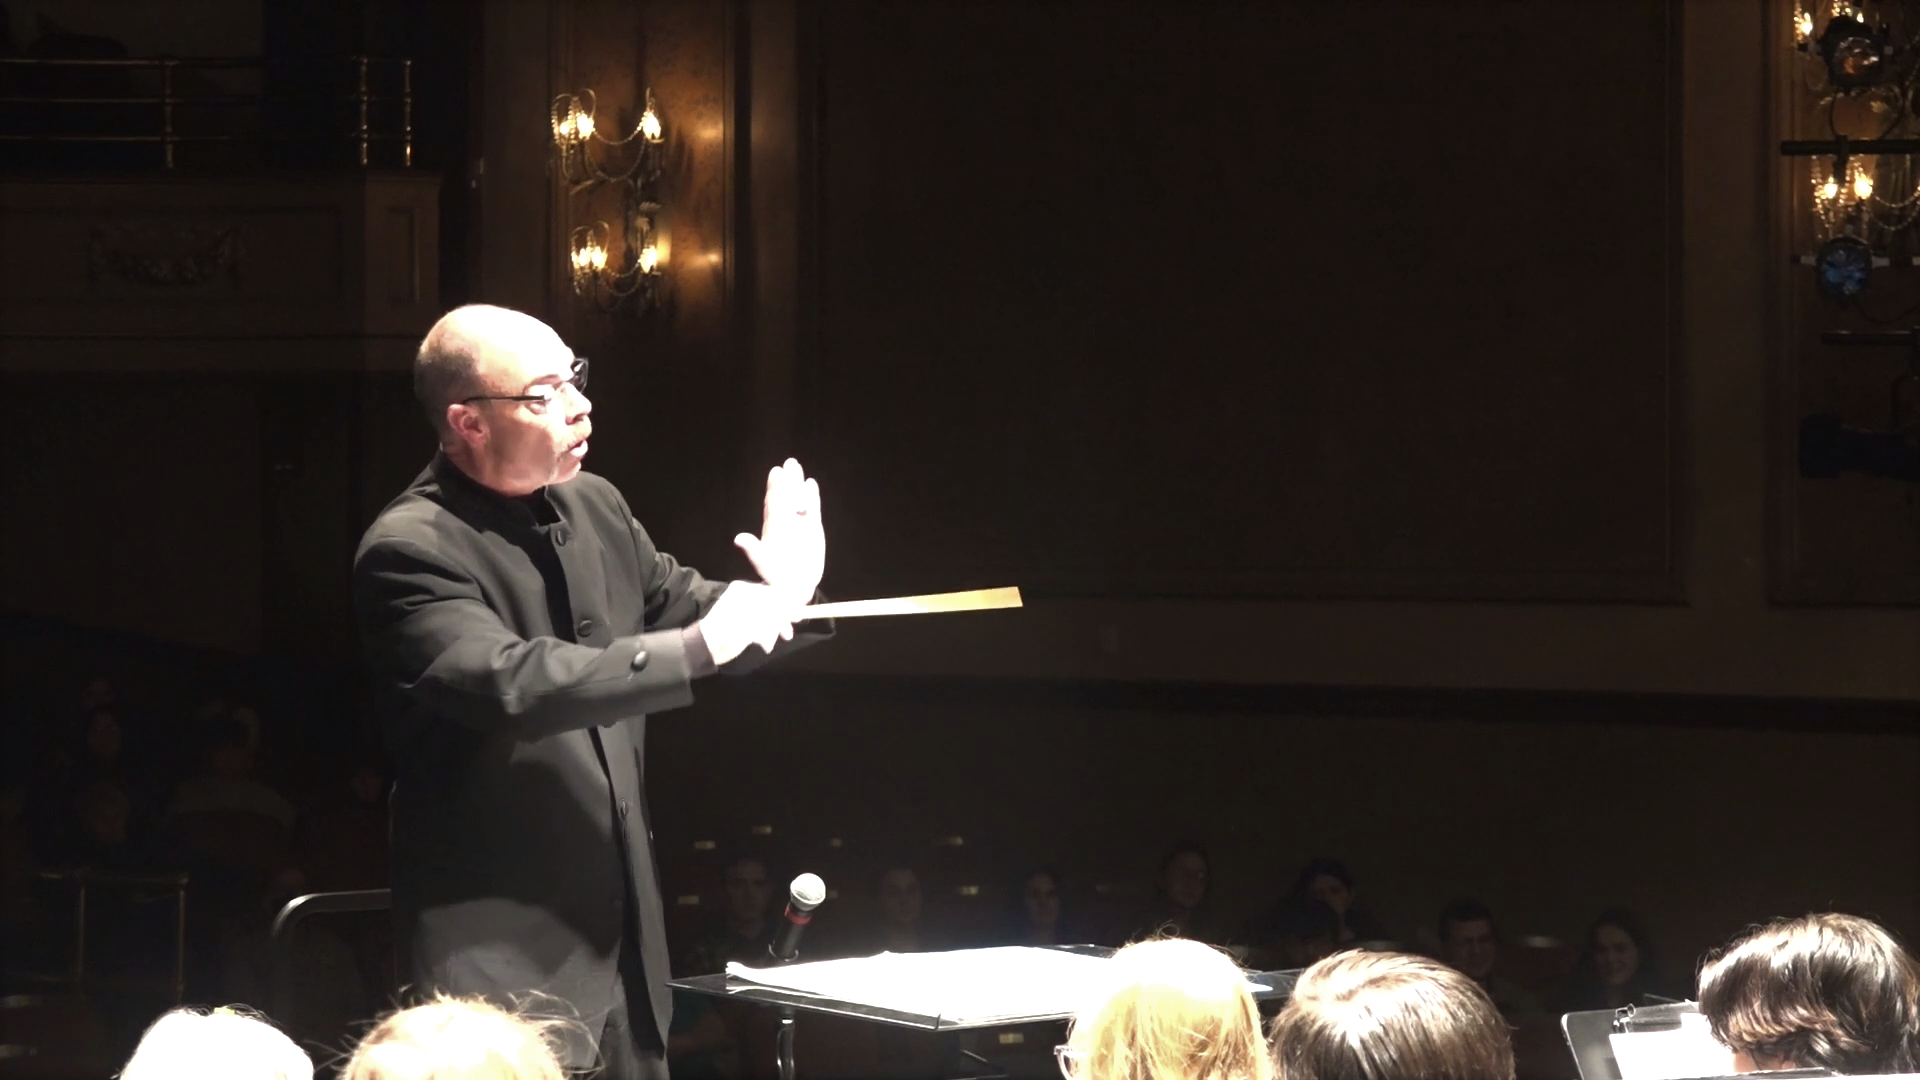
(560, 537)
(623, 809)
(585, 627)
(639, 659)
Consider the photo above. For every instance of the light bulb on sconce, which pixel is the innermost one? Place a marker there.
(1829, 191)
(1802, 27)
(631, 164)
(1862, 185)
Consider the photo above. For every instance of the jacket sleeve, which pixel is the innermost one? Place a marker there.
(678, 596)
(428, 629)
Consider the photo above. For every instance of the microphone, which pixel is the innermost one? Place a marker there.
(805, 894)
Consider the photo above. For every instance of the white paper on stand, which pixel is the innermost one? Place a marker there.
(1687, 1051)
(965, 986)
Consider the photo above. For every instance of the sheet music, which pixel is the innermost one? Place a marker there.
(1687, 1051)
(963, 986)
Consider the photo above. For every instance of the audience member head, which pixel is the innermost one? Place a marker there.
(223, 1044)
(455, 1039)
(1307, 931)
(1177, 1010)
(749, 889)
(367, 783)
(97, 694)
(104, 736)
(1468, 940)
(900, 897)
(1328, 882)
(105, 814)
(248, 718)
(1389, 1016)
(1184, 877)
(1618, 953)
(472, 374)
(224, 751)
(1826, 991)
(1037, 904)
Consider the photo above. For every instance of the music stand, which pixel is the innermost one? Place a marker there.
(792, 1003)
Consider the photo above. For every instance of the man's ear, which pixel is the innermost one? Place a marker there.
(466, 424)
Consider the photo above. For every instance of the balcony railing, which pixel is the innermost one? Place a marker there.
(174, 112)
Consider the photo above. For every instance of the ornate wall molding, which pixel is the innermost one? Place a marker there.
(177, 257)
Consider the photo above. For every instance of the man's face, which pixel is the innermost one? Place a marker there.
(1470, 948)
(746, 883)
(900, 897)
(522, 446)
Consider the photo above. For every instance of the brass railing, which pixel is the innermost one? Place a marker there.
(363, 83)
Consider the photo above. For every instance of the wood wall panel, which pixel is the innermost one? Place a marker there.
(1139, 299)
(235, 274)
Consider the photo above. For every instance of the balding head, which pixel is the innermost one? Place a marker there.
(470, 351)
(506, 396)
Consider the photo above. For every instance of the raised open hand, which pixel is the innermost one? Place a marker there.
(791, 551)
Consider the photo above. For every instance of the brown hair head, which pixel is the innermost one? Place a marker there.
(1821, 991)
(1389, 1016)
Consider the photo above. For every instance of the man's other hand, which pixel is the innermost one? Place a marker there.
(747, 613)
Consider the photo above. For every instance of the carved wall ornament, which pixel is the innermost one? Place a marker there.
(170, 257)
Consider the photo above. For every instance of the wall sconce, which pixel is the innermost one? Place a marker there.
(635, 278)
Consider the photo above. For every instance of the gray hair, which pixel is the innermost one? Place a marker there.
(444, 371)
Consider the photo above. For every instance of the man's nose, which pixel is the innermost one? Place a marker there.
(581, 405)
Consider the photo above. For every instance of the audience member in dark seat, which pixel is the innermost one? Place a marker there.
(1389, 1016)
(225, 783)
(1036, 916)
(746, 925)
(1826, 991)
(1183, 898)
(1299, 933)
(1617, 967)
(344, 845)
(1330, 883)
(1470, 943)
(901, 908)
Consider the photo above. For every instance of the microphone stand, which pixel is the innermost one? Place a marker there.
(783, 1044)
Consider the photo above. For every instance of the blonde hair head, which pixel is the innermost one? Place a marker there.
(229, 1043)
(455, 1039)
(1177, 1010)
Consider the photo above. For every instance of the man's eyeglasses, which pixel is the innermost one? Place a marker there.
(1069, 1059)
(539, 397)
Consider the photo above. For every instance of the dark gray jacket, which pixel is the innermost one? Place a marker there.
(517, 647)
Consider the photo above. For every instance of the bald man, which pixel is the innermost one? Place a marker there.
(520, 626)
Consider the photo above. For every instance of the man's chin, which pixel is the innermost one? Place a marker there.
(568, 468)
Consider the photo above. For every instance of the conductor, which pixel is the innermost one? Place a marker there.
(520, 625)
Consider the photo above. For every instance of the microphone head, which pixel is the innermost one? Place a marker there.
(807, 892)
